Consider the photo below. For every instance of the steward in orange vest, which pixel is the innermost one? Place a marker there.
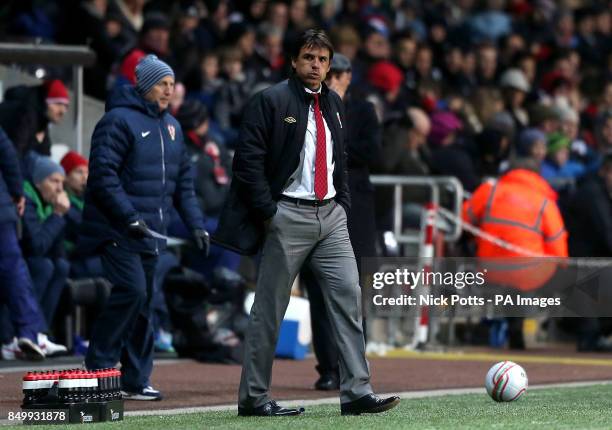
(521, 209)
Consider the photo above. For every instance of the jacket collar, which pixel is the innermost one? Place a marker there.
(128, 96)
(531, 180)
(298, 88)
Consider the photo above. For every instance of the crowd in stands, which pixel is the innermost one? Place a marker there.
(460, 88)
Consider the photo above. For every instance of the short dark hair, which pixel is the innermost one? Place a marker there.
(312, 38)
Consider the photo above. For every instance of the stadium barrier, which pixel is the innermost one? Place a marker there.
(396, 325)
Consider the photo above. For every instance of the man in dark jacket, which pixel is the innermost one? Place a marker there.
(290, 190)
(363, 149)
(26, 112)
(15, 284)
(589, 224)
(139, 169)
(212, 166)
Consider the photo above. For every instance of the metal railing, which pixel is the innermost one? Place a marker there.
(76, 57)
(435, 184)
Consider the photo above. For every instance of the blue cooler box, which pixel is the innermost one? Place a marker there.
(295, 331)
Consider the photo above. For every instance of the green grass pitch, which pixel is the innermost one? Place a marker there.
(556, 408)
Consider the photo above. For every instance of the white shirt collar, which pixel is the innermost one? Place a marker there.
(308, 90)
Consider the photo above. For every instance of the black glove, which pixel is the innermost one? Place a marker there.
(139, 230)
(202, 239)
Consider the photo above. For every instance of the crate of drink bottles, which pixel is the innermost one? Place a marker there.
(72, 396)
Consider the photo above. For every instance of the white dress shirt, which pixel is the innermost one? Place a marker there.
(302, 186)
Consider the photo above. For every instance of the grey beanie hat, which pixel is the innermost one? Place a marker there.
(340, 63)
(44, 167)
(149, 72)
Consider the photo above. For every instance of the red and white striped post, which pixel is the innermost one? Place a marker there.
(426, 254)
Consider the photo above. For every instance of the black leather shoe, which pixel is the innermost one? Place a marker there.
(370, 404)
(270, 409)
(327, 382)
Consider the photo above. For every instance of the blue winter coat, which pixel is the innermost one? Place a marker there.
(11, 183)
(138, 169)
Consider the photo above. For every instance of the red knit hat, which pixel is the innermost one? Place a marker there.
(56, 92)
(72, 160)
(128, 66)
(385, 76)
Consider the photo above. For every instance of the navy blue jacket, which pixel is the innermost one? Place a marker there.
(138, 169)
(43, 235)
(11, 183)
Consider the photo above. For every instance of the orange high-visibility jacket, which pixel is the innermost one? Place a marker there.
(521, 209)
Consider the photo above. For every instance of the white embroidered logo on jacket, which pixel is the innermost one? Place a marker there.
(172, 131)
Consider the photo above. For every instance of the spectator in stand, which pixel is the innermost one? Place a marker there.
(603, 132)
(76, 168)
(205, 85)
(580, 151)
(299, 18)
(564, 29)
(269, 62)
(587, 42)
(85, 24)
(454, 78)
(212, 167)
(404, 50)
(494, 152)
(490, 23)
(514, 45)
(242, 36)
(185, 38)
(450, 155)
(215, 25)
(405, 145)
(423, 69)
(387, 79)
(558, 169)
(528, 65)
(347, 41)
(404, 152)
(487, 64)
(129, 16)
(232, 95)
(515, 88)
(487, 103)
(603, 32)
(532, 144)
(26, 114)
(544, 118)
(605, 104)
(178, 98)
(44, 222)
(153, 38)
(372, 46)
(278, 15)
(16, 293)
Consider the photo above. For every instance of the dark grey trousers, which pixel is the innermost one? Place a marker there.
(317, 236)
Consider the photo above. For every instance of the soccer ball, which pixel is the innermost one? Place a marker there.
(506, 381)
